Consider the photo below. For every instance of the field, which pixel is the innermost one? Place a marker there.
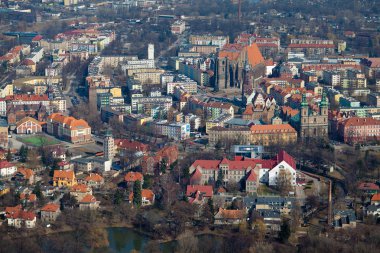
(38, 140)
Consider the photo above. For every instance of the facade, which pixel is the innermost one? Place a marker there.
(28, 125)
(109, 146)
(314, 123)
(88, 202)
(7, 169)
(19, 218)
(69, 128)
(176, 131)
(264, 135)
(312, 47)
(229, 217)
(359, 130)
(178, 27)
(250, 172)
(94, 180)
(260, 108)
(4, 133)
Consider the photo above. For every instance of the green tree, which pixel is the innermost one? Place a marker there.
(23, 153)
(37, 190)
(9, 155)
(219, 180)
(163, 166)
(118, 197)
(137, 198)
(285, 231)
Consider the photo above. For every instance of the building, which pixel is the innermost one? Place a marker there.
(88, 202)
(69, 128)
(28, 125)
(199, 194)
(240, 170)
(178, 27)
(371, 67)
(314, 123)
(176, 131)
(7, 169)
(344, 219)
(78, 191)
(229, 217)
(50, 212)
(206, 40)
(359, 130)
(147, 197)
(108, 146)
(150, 51)
(4, 134)
(239, 65)
(94, 180)
(16, 217)
(218, 122)
(312, 47)
(131, 177)
(64, 178)
(260, 108)
(24, 175)
(264, 135)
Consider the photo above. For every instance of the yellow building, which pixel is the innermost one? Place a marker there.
(7, 90)
(116, 92)
(4, 190)
(64, 178)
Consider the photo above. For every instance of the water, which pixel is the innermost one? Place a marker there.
(124, 240)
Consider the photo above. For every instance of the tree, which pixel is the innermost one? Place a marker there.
(163, 166)
(9, 155)
(137, 198)
(284, 180)
(219, 180)
(118, 197)
(23, 153)
(284, 233)
(37, 190)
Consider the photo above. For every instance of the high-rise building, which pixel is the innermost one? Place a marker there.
(151, 52)
(109, 146)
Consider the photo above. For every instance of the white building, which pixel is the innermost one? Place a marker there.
(151, 52)
(7, 169)
(178, 27)
(109, 146)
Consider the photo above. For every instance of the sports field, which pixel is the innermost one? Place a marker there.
(38, 140)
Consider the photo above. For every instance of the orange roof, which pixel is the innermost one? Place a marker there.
(376, 197)
(94, 177)
(248, 110)
(356, 121)
(145, 193)
(30, 197)
(50, 207)
(27, 173)
(272, 128)
(12, 209)
(254, 55)
(70, 122)
(88, 199)
(231, 214)
(133, 176)
(67, 174)
(80, 188)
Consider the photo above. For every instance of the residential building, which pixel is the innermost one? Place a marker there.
(147, 197)
(371, 67)
(109, 146)
(69, 128)
(94, 180)
(78, 191)
(344, 219)
(177, 131)
(199, 194)
(178, 27)
(64, 178)
(229, 217)
(312, 47)
(24, 175)
(16, 217)
(7, 169)
(359, 130)
(50, 212)
(88, 202)
(131, 177)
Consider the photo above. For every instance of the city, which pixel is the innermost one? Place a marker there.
(162, 126)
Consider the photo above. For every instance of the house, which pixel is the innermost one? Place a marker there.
(344, 219)
(64, 165)
(59, 152)
(4, 190)
(94, 180)
(229, 217)
(28, 125)
(80, 190)
(131, 177)
(16, 217)
(7, 169)
(50, 212)
(375, 200)
(373, 210)
(198, 194)
(88, 202)
(28, 198)
(24, 174)
(64, 178)
(369, 188)
(147, 197)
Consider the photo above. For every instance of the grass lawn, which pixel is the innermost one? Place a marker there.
(39, 140)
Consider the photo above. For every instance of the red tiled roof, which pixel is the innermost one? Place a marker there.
(282, 128)
(252, 177)
(5, 164)
(80, 188)
(368, 186)
(50, 207)
(205, 189)
(133, 176)
(131, 145)
(29, 197)
(94, 177)
(145, 193)
(231, 214)
(283, 156)
(311, 46)
(376, 197)
(206, 164)
(27, 173)
(88, 199)
(356, 121)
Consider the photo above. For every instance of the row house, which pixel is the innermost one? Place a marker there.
(18, 218)
(250, 172)
(359, 130)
